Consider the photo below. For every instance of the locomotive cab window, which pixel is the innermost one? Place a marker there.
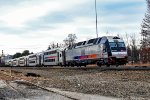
(117, 46)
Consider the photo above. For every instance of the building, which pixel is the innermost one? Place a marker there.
(4, 58)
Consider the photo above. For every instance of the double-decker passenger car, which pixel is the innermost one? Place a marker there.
(33, 60)
(52, 57)
(15, 62)
(22, 61)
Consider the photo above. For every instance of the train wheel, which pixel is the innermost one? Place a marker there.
(117, 65)
(72, 64)
(98, 64)
(108, 65)
(68, 65)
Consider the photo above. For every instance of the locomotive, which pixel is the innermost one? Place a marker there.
(106, 50)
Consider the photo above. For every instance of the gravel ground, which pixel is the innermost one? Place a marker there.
(123, 84)
(23, 91)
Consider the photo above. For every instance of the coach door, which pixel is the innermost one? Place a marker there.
(59, 57)
(39, 59)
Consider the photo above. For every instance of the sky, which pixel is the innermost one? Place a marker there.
(34, 24)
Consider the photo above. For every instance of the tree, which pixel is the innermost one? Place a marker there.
(31, 53)
(145, 30)
(70, 40)
(54, 45)
(49, 47)
(129, 51)
(25, 53)
(17, 55)
(134, 49)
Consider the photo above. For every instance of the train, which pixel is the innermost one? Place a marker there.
(106, 50)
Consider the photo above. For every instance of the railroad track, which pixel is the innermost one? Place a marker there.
(88, 67)
(39, 71)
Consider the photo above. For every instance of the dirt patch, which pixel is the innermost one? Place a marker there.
(32, 75)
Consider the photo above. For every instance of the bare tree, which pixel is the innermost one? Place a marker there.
(134, 49)
(70, 40)
(54, 45)
(128, 45)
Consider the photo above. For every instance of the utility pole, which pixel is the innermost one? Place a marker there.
(96, 19)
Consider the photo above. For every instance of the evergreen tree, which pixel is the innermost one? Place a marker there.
(145, 30)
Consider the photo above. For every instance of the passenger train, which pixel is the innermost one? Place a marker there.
(107, 50)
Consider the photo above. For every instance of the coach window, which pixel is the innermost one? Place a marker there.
(31, 61)
(95, 41)
(32, 56)
(90, 41)
(79, 44)
(84, 43)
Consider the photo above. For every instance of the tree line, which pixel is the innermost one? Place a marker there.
(68, 41)
(24, 53)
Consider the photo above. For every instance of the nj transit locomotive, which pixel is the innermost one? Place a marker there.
(107, 50)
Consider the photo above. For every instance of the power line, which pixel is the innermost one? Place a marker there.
(96, 19)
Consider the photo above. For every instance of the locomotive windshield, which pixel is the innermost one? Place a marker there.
(117, 46)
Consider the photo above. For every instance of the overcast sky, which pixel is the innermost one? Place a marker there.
(34, 24)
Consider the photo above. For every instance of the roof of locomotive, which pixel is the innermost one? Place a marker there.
(94, 41)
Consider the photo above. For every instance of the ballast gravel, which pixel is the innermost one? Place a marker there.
(124, 84)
